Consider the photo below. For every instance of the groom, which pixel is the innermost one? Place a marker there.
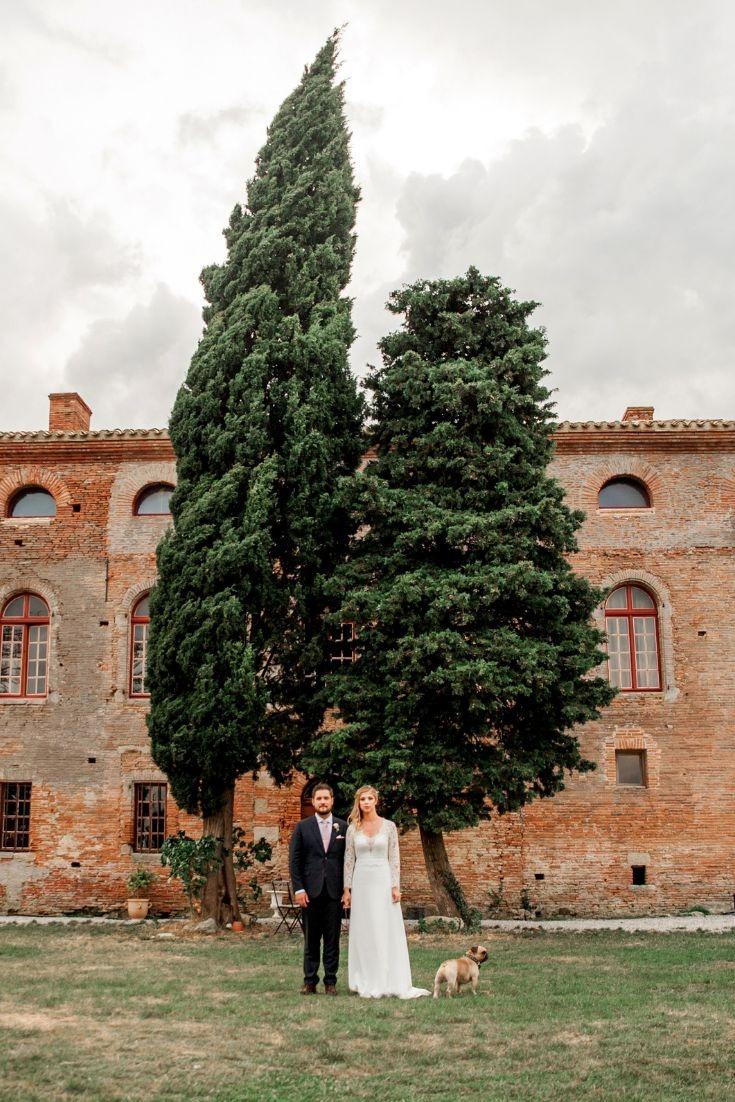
(316, 864)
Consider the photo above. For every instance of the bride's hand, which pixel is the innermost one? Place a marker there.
(346, 897)
(396, 894)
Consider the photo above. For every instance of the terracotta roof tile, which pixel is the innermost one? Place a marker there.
(676, 425)
(628, 427)
(93, 434)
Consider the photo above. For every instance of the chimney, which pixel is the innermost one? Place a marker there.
(638, 413)
(68, 413)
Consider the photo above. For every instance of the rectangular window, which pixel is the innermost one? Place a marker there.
(15, 815)
(150, 817)
(638, 873)
(631, 767)
(11, 659)
(139, 655)
(37, 652)
(342, 643)
(646, 652)
(618, 650)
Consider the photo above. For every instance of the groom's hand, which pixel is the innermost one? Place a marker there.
(302, 898)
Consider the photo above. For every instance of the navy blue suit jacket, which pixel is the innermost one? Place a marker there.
(311, 868)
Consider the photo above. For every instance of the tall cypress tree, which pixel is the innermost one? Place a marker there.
(266, 423)
(473, 632)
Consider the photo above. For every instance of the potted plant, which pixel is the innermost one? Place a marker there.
(138, 885)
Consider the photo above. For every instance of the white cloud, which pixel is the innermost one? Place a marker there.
(135, 365)
(627, 239)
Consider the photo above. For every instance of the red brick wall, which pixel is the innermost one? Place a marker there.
(92, 563)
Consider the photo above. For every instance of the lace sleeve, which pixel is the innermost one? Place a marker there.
(349, 855)
(394, 857)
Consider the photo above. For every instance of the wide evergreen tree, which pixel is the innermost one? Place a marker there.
(266, 423)
(473, 632)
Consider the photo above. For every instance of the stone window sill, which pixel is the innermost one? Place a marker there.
(626, 512)
(33, 701)
(22, 522)
(9, 854)
(639, 694)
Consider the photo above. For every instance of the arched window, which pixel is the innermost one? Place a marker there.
(24, 646)
(154, 501)
(139, 647)
(624, 493)
(32, 501)
(631, 621)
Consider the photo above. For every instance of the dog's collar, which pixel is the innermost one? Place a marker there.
(479, 963)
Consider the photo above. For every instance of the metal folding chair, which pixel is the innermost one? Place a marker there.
(286, 907)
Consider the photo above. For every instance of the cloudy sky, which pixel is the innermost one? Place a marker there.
(582, 150)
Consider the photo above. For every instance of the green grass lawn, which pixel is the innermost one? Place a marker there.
(90, 1013)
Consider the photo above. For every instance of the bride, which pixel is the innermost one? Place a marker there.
(378, 953)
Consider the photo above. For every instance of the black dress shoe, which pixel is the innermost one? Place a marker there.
(308, 989)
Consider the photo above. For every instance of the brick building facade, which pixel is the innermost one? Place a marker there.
(81, 802)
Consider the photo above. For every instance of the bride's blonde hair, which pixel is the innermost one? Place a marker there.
(355, 816)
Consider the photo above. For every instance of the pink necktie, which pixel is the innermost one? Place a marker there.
(324, 824)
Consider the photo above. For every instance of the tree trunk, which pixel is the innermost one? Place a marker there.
(219, 895)
(438, 870)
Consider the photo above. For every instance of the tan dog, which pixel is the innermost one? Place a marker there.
(461, 970)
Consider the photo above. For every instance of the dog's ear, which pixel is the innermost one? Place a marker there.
(475, 950)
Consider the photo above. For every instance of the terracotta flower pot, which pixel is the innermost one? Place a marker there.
(237, 927)
(138, 908)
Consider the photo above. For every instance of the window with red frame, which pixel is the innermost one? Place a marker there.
(150, 817)
(24, 625)
(15, 815)
(140, 620)
(342, 643)
(631, 621)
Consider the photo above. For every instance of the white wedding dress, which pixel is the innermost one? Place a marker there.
(378, 961)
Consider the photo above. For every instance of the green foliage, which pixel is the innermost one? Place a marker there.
(470, 915)
(474, 633)
(191, 860)
(495, 898)
(140, 881)
(438, 926)
(247, 854)
(265, 426)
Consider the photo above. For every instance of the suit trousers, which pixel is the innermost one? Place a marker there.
(322, 925)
